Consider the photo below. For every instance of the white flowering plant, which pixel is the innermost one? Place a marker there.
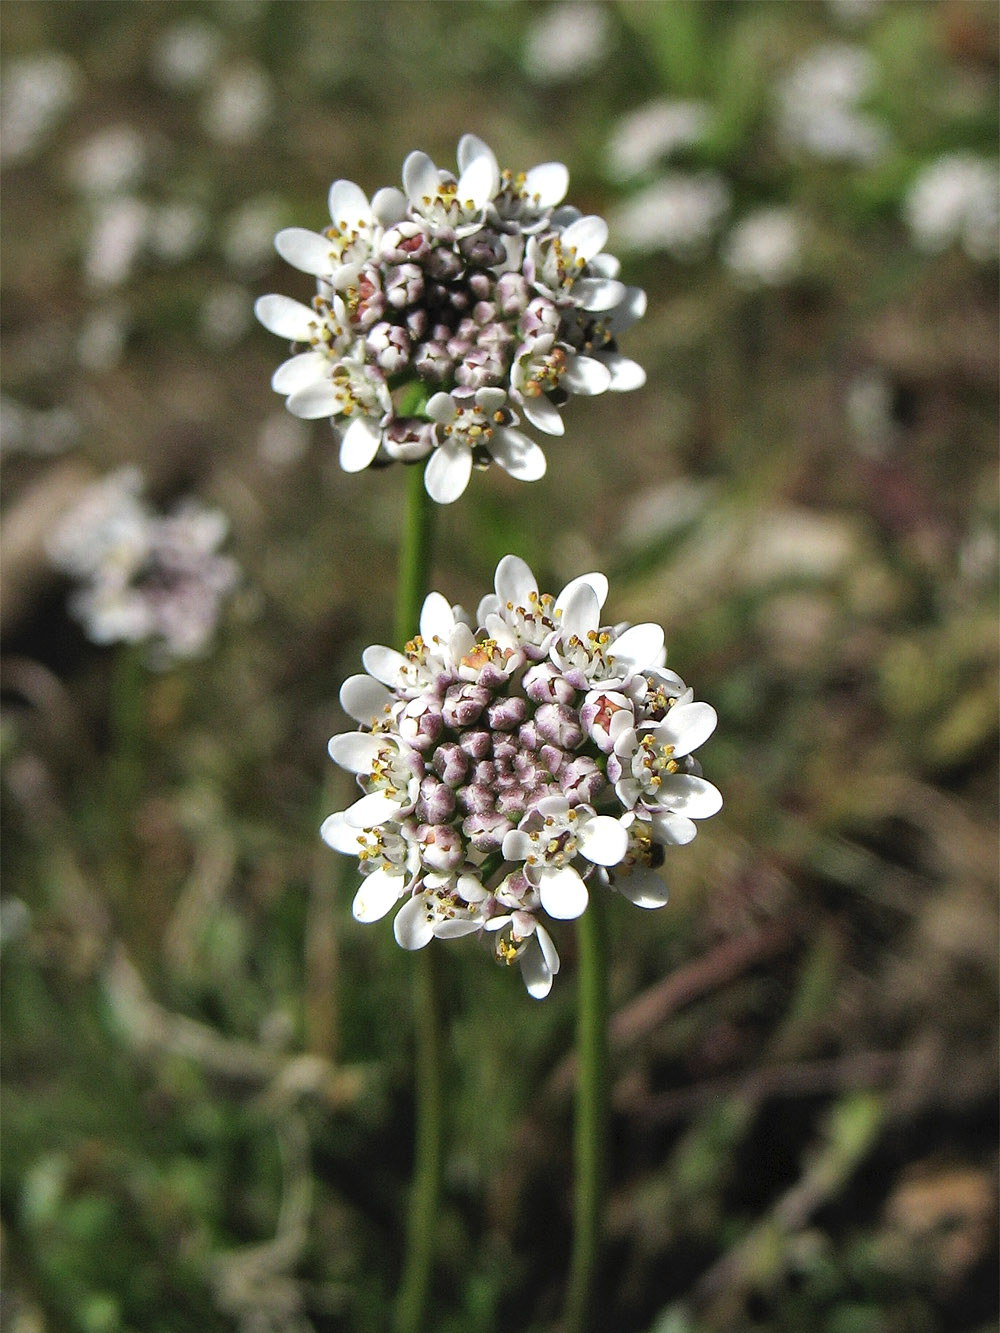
(511, 765)
(447, 312)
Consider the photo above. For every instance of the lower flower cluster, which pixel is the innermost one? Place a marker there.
(507, 769)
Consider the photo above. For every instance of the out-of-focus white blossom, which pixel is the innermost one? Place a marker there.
(956, 200)
(144, 577)
(120, 231)
(185, 54)
(282, 439)
(448, 311)
(679, 214)
(568, 40)
(508, 771)
(110, 162)
(177, 230)
(36, 92)
(653, 133)
(39, 431)
(225, 314)
(818, 105)
(247, 238)
(101, 342)
(238, 104)
(764, 249)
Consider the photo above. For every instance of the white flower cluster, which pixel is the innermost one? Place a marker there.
(507, 769)
(446, 312)
(956, 199)
(146, 578)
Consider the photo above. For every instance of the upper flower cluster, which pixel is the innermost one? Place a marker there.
(447, 311)
(146, 577)
(507, 768)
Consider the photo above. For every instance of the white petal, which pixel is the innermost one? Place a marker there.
(453, 928)
(548, 949)
(411, 927)
(603, 840)
(356, 750)
(535, 971)
(313, 401)
(437, 620)
(643, 887)
(586, 236)
(285, 317)
(625, 374)
(637, 648)
(364, 699)
(377, 895)
(307, 251)
(349, 203)
(596, 580)
(543, 415)
(385, 664)
(389, 205)
(338, 834)
(359, 444)
(470, 146)
(371, 810)
(514, 582)
(420, 177)
(518, 455)
(673, 830)
(490, 399)
(299, 371)
(549, 181)
(584, 375)
(632, 307)
(447, 473)
(598, 294)
(563, 893)
(516, 845)
(479, 182)
(580, 611)
(686, 726)
(441, 408)
(687, 795)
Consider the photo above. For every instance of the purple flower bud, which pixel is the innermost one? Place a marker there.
(485, 831)
(408, 439)
(528, 735)
(484, 312)
(420, 723)
(476, 744)
(545, 684)
(463, 704)
(389, 346)
(371, 298)
(404, 285)
(406, 241)
(512, 801)
(481, 286)
(450, 763)
(443, 263)
(484, 774)
(440, 847)
(506, 713)
(432, 362)
(540, 317)
(416, 322)
(552, 757)
(476, 798)
(559, 725)
(506, 751)
(511, 293)
(483, 247)
(496, 337)
(436, 802)
(581, 780)
(480, 369)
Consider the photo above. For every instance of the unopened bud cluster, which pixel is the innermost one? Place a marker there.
(507, 768)
(447, 311)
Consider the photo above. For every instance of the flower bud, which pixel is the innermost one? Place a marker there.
(581, 780)
(463, 704)
(544, 683)
(440, 847)
(432, 362)
(505, 714)
(559, 725)
(436, 802)
(476, 744)
(406, 241)
(404, 285)
(511, 294)
(450, 763)
(389, 346)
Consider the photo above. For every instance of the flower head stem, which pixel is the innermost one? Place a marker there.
(425, 1191)
(589, 1131)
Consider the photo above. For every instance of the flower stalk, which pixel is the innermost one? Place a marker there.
(425, 1190)
(590, 1126)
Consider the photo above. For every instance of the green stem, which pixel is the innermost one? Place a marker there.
(591, 1114)
(126, 718)
(425, 1191)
